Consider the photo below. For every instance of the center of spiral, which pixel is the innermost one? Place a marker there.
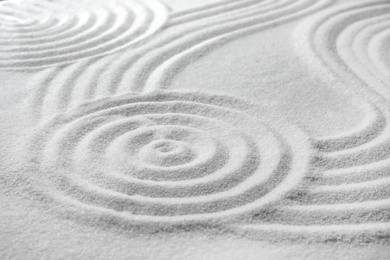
(165, 146)
(166, 153)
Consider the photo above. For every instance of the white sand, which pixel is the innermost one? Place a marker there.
(194, 129)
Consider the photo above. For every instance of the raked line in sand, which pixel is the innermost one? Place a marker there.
(166, 158)
(349, 41)
(304, 190)
(120, 161)
(192, 40)
(41, 33)
(347, 196)
(154, 64)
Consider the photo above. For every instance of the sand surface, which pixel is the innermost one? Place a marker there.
(184, 129)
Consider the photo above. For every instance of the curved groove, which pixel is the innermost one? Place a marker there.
(362, 233)
(264, 18)
(372, 126)
(135, 64)
(356, 174)
(195, 14)
(77, 32)
(145, 59)
(348, 195)
(167, 158)
(374, 150)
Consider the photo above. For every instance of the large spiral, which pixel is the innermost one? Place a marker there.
(39, 33)
(167, 158)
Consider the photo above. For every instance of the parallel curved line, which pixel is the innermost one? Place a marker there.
(145, 59)
(165, 72)
(318, 40)
(205, 7)
(39, 94)
(88, 30)
(219, 9)
(366, 38)
(356, 174)
(115, 75)
(348, 196)
(372, 126)
(342, 41)
(362, 232)
(340, 208)
(374, 150)
(77, 32)
(86, 40)
(376, 189)
(96, 86)
(372, 184)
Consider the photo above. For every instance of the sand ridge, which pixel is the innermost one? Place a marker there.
(73, 153)
(44, 33)
(153, 64)
(111, 146)
(346, 196)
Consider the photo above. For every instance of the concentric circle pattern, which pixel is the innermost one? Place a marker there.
(39, 33)
(167, 158)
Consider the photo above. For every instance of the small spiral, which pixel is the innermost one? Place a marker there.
(167, 158)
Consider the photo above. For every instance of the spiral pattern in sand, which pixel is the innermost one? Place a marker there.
(40, 33)
(168, 158)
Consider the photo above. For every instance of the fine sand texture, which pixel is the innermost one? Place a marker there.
(186, 129)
